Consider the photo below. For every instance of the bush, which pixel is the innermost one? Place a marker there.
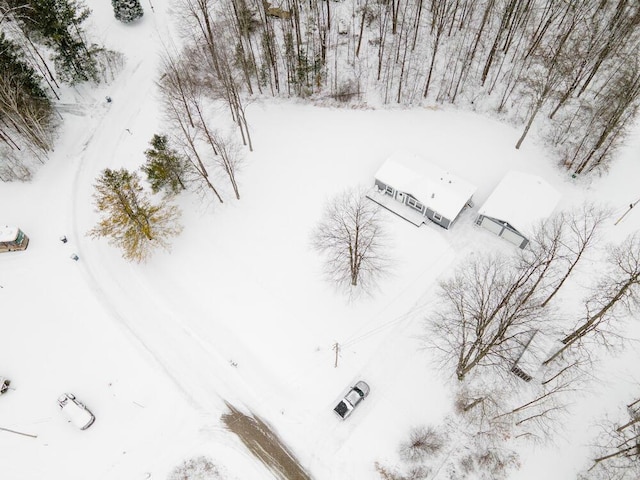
(197, 468)
(423, 442)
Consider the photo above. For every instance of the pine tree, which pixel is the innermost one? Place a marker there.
(11, 60)
(131, 222)
(58, 24)
(165, 167)
(127, 10)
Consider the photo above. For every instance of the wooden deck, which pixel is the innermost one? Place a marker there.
(403, 211)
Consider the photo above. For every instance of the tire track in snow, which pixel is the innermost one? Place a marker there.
(141, 319)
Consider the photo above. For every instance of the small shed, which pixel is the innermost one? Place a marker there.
(12, 238)
(421, 190)
(534, 351)
(519, 203)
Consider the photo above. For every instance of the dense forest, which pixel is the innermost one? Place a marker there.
(570, 67)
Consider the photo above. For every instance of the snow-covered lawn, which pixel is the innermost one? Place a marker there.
(238, 310)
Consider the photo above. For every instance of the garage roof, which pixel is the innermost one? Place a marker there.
(522, 200)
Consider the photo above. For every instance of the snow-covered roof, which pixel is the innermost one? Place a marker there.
(8, 234)
(522, 200)
(431, 185)
(79, 416)
(536, 351)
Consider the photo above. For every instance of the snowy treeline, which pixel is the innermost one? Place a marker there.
(573, 62)
(569, 66)
(42, 44)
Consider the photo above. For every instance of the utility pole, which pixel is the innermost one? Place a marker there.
(631, 205)
(336, 348)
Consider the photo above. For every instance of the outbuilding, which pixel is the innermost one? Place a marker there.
(516, 206)
(536, 349)
(12, 238)
(417, 190)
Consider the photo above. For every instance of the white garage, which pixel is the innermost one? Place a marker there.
(516, 206)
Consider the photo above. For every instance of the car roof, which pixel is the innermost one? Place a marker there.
(363, 387)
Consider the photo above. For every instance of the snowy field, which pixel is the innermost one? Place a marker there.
(238, 311)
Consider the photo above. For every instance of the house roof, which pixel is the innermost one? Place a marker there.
(522, 200)
(8, 234)
(431, 185)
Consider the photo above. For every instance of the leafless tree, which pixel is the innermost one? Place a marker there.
(442, 14)
(183, 108)
(228, 158)
(616, 293)
(352, 239)
(617, 448)
(200, 18)
(546, 74)
(12, 168)
(533, 411)
(582, 228)
(197, 468)
(488, 310)
(29, 117)
(458, 449)
(423, 442)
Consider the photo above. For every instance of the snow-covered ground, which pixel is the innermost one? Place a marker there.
(238, 311)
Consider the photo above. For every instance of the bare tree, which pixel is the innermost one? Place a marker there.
(352, 239)
(197, 468)
(228, 158)
(617, 448)
(182, 106)
(538, 411)
(423, 442)
(488, 311)
(509, 407)
(545, 76)
(584, 225)
(28, 116)
(617, 290)
(199, 16)
(457, 448)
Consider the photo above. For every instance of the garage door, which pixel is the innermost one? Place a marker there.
(498, 229)
(492, 226)
(513, 237)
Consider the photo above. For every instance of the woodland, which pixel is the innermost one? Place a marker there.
(569, 67)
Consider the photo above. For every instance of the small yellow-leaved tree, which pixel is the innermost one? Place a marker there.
(130, 220)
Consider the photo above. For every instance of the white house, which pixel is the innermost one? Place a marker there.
(517, 205)
(420, 190)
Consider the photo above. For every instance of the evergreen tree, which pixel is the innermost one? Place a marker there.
(58, 24)
(26, 77)
(165, 167)
(131, 222)
(127, 10)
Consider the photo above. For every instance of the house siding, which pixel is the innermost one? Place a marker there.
(404, 198)
(432, 215)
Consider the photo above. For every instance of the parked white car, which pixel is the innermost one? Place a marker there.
(76, 411)
(352, 399)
